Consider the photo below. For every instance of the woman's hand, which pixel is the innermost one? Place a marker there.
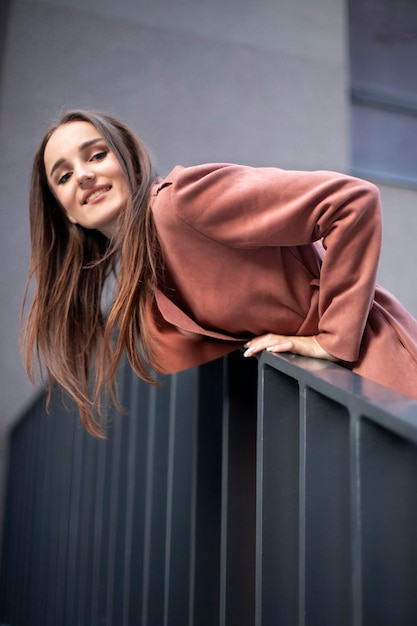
(305, 346)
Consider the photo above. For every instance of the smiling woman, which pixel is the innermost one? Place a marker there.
(210, 258)
(86, 177)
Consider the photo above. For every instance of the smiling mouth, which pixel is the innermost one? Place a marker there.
(96, 194)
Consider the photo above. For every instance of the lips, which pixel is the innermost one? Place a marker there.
(92, 194)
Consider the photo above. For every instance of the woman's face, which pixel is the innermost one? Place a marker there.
(85, 176)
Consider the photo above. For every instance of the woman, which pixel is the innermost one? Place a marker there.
(209, 259)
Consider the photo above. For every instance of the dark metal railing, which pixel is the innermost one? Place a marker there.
(337, 498)
(278, 492)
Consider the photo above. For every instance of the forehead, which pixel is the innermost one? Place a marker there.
(67, 139)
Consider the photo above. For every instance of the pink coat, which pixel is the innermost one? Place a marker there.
(249, 251)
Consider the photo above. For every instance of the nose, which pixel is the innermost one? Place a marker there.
(85, 177)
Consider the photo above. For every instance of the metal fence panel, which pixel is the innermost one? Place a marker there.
(336, 499)
(275, 492)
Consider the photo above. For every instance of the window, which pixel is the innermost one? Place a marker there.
(383, 61)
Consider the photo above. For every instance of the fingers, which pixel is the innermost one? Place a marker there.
(270, 342)
(285, 346)
(304, 346)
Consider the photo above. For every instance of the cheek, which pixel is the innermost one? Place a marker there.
(66, 203)
(63, 199)
(123, 186)
(119, 176)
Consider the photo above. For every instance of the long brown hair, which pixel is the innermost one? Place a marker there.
(66, 335)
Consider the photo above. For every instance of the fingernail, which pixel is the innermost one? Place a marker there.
(247, 353)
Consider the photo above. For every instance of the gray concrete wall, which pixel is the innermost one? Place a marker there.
(259, 83)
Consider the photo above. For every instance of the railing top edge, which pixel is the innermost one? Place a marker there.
(361, 396)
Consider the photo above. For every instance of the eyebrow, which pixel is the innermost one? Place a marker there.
(82, 147)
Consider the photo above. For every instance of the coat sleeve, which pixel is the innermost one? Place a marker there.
(254, 207)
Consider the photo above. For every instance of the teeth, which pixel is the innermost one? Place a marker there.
(95, 194)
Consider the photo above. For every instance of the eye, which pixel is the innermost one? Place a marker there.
(99, 156)
(63, 179)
